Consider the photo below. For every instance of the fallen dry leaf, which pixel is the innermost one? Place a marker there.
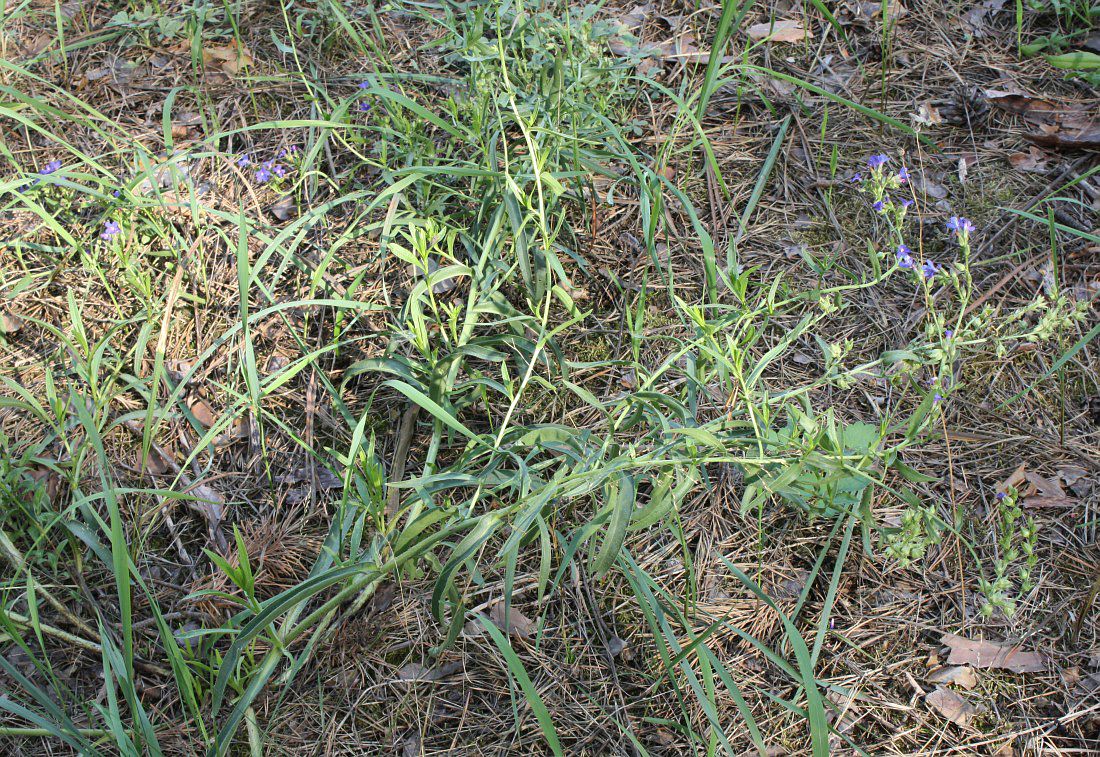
(680, 48)
(951, 705)
(1074, 126)
(519, 625)
(927, 115)
(990, 654)
(415, 671)
(1035, 490)
(202, 411)
(787, 30)
(1031, 161)
(283, 208)
(231, 58)
(10, 324)
(976, 16)
(961, 675)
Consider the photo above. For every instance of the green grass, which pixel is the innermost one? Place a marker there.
(484, 199)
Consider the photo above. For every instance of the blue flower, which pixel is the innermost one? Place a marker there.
(937, 397)
(263, 175)
(1001, 495)
(905, 256)
(364, 107)
(278, 170)
(928, 269)
(949, 333)
(879, 206)
(244, 160)
(364, 85)
(903, 175)
(961, 226)
(116, 193)
(111, 229)
(906, 202)
(857, 178)
(49, 168)
(876, 162)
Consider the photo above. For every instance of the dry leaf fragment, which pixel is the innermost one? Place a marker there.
(518, 624)
(202, 411)
(231, 58)
(415, 671)
(927, 115)
(1055, 125)
(283, 208)
(951, 705)
(10, 324)
(990, 654)
(976, 16)
(1035, 490)
(1031, 161)
(961, 675)
(787, 30)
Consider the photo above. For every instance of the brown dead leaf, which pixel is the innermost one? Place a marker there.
(951, 705)
(231, 58)
(155, 465)
(960, 675)
(787, 30)
(976, 17)
(990, 654)
(519, 625)
(10, 324)
(202, 411)
(1032, 161)
(1035, 490)
(927, 115)
(415, 671)
(276, 363)
(1072, 126)
(283, 208)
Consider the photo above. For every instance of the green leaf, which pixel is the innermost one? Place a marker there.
(1082, 60)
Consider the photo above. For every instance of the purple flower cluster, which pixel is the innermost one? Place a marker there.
(52, 166)
(905, 256)
(876, 162)
(268, 169)
(960, 227)
(905, 260)
(111, 229)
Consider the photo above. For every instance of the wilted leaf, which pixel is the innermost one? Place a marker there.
(10, 324)
(961, 675)
(787, 30)
(1035, 490)
(283, 208)
(951, 705)
(976, 17)
(202, 411)
(1055, 125)
(518, 624)
(927, 115)
(990, 654)
(924, 185)
(231, 58)
(415, 671)
(1031, 161)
